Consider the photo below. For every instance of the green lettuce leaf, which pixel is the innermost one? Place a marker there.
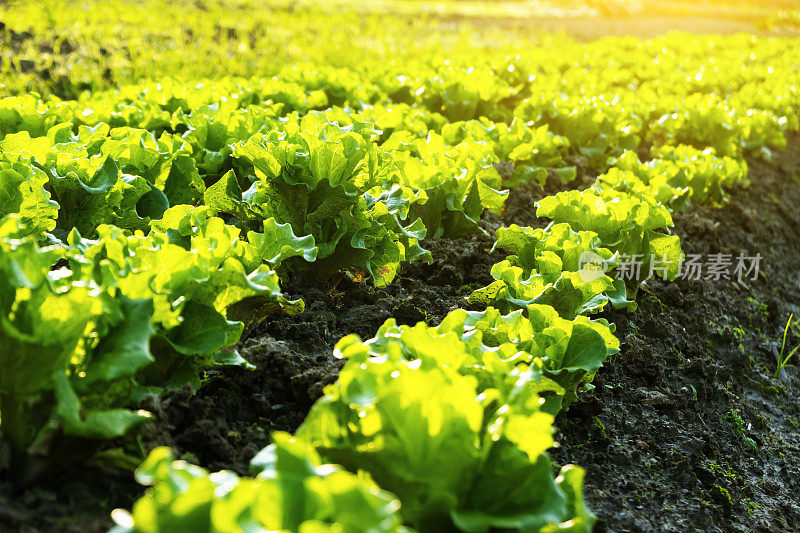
(293, 491)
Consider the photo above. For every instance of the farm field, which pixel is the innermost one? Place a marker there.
(399, 266)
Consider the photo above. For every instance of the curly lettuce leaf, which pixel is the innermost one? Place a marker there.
(292, 491)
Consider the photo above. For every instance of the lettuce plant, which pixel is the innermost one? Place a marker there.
(197, 271)
(701, 120)
(291, 491)
(69, 348)
(23, 192)
(535, 151)
(567, 352)
(463, 93)
(669, 189)
(549, 266)
(597, 128)
(458, 182)
(707, 174)
(676, 177)
(132, 314)
(636, 227)
(560, 354)
(325, 181)
(448, 447)
(101, 175)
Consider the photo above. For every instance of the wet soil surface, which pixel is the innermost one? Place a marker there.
(686, 429)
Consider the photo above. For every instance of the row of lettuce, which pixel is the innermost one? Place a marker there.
(142, 229)
(732, 93)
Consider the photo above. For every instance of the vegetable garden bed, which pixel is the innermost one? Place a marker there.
(424, 274)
